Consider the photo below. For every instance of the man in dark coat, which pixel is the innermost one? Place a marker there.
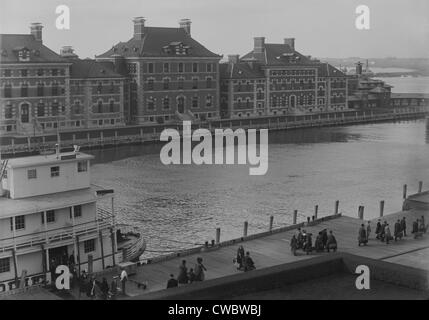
(404, 226)
(378, 229)
(397, 230)
(172, 282)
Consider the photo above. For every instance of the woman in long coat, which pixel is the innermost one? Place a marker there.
(182, 278)
(240, 257)
(362, 236)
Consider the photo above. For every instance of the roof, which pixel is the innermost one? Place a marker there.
(30, 205)
(279, 54)
(240, 70)
(11, 43)
(327, 70)
(40, 160)
(92, 69)
(153, 42)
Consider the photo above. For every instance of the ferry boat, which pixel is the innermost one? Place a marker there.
(51, 214)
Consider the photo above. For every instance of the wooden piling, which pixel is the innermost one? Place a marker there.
(420, 186)
(404, 194)
(360, 212)
(246, 226)
(316, 209)
(295, 216)
(217, 235)
(381, 208)
(337, 204)
(271, 222)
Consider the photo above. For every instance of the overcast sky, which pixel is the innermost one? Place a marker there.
(322, 28)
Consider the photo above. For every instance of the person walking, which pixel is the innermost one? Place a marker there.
(404, 226)
(104, 287)
(191, 275)
(368, 230)
(248, 262)
(362, 235)
(240, 257)
(378, 229)
(124, 279)
(182, 278)
(397, 230)
(293, 245)
(172, 282)
(199, 270)
(387, 233)
(331, 244)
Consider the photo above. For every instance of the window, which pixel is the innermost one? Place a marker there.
(209, 67)
(4, 265)
(99, 87)
(180, 82)
(194, 102)
(54, 109)
(166, 84)
(24, 73)
(166, 103)
(50, 216)
(166, 67)
(82, 166)
(150, 104)
(195, 83)
(150, 84)
(7, 73)
(32, 174)
(150, 67)
(100, 106)
(55, 171)
(209, 101)
(24, 90)
(7, 90)
(55, 72)
(40, 89)
(40, 72)
(54, 88)
(209, 82)
(89, 245)
(112, 87)
(19, 223)
(77, 211)
(111, 105)
(8, 112)
(180, 67)
(195, 67)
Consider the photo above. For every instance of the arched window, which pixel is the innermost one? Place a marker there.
(111, 105)
(40, 89)
(292, 101)
(7, 90)
(100, 106)
(40, 109)
(24, 89)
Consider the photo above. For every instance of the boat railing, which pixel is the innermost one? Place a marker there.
(135, 248)
(51, 236)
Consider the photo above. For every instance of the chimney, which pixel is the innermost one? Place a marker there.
(290, 42)
(68, 52)
(259, 48)
(36, 30)
(139, 28)
(186, 25)
(233, 58)
(359, 68)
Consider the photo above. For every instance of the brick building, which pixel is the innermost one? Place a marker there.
(278, 80)
(171, 76)
(42, 91)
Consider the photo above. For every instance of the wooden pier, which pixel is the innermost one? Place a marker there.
(273, 248)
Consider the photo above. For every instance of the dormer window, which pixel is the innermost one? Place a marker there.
(177, 48)
(24, 55)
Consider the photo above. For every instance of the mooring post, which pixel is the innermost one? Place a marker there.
(381, 208)
(316, 209)
(295, 216)
(246, 226)
(337, 204)
(404, 195)
(420, 186)
(217, 235)
(308, 219)
(271, 222)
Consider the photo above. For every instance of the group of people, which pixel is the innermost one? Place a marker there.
(243, 262)
(303, 240)
(384, 234)
(184, 277)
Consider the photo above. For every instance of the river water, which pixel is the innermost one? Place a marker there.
(182, 205)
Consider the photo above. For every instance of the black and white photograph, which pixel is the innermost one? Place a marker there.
(226, 151)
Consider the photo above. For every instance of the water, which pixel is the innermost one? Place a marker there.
(408, 84)
(180, 206)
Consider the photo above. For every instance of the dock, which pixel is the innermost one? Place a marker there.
(272, 248)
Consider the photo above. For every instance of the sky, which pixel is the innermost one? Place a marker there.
(321, 28)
